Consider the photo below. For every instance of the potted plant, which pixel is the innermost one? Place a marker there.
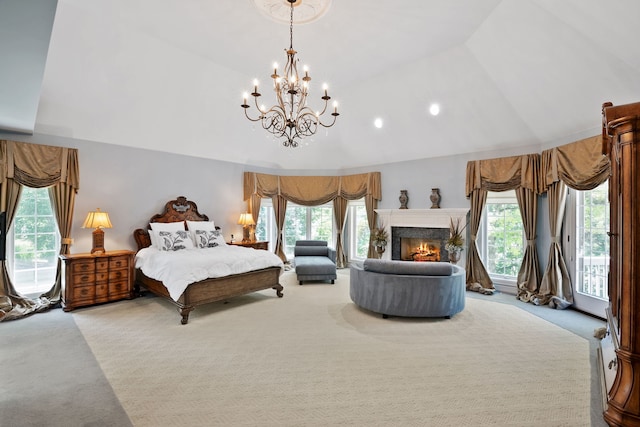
(379, 237)
(455, 242)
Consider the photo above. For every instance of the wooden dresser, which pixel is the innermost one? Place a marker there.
(621, 142)
(96, 278)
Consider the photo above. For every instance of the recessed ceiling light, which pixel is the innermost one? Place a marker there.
(378, 123)
(434, 109)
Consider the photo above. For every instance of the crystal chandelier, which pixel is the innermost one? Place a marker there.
(290, 118)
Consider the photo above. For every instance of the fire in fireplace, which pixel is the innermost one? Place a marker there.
(419, 244)
(418, 249)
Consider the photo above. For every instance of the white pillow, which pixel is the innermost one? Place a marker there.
(167, 226)
(156, 242)
(152, 237)
(193, 226)
(208, 239)
(174, 240)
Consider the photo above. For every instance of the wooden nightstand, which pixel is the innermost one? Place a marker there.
(95, 278)
(264, 244)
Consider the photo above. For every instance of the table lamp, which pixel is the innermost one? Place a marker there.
(246, 220)
(97, 220)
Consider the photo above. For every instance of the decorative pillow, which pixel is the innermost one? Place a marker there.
(156, 240)
(194, 226)
(174, 241)
(209, 239)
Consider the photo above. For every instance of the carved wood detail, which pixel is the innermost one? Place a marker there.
(621, 143)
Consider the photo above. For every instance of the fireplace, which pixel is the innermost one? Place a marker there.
(410, 228)
(419, 244)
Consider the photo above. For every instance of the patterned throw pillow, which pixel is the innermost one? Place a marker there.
(208, 239)
(174, 241)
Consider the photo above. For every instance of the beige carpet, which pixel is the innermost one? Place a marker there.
(314, 359)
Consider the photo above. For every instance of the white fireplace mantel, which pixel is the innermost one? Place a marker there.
(428, 218)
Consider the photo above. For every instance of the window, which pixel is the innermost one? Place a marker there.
(307, 222)
(503, 240)
(592, 241)
(300, 223)
(357, 231)
(33, 243)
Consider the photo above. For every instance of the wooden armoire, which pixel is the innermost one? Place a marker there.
(621, 143)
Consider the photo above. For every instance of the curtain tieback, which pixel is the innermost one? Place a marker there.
(473, 237)
(66, 241)
(531, 242)
(555, 240)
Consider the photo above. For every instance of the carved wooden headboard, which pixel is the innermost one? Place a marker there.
(176, 210)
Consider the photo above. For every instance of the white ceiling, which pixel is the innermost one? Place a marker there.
(169, 75)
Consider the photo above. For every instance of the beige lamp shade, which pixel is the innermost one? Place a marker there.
(97, 220)
(246, 220)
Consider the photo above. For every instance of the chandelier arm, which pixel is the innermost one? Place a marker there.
(247, 116)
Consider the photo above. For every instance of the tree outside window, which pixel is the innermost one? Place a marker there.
(505, 240)
(33, 242)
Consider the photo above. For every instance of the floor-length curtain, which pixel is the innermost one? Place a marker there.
(339, 213)
(370, 204)
(36, 166)
(579, 165)
(477, 277)
(62, 197)
(280, 210)
(12, 304)
(555, 288)
(528, 278)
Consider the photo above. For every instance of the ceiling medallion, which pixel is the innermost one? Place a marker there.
(306, 11)
(290, 118)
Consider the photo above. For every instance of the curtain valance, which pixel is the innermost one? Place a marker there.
(313, 190)
(580, 165)
(38, 166)
(502, 174)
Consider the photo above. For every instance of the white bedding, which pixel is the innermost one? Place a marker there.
(178, 269)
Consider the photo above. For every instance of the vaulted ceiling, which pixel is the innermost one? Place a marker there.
(169, 75)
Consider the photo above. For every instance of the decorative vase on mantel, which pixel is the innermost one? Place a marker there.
(435, 198)
(380, 251)
(404, 199)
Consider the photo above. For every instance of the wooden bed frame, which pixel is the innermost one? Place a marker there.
(205, 291)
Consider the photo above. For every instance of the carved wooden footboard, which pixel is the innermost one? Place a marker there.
(209, 290)
(212, 290)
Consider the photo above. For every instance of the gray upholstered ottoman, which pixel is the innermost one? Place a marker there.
(408, 289)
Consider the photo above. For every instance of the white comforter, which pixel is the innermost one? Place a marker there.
(178, 269)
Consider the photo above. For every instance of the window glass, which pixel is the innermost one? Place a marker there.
(592, 241)
(357, 231)
(33, 243)
(504, 235)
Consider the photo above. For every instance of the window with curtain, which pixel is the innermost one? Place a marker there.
(357, 230)
(301, 223)
(33, 243)
(502, 239)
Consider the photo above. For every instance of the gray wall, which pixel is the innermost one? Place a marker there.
(25, 30)
(133, 184)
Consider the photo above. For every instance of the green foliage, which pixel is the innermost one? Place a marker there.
(505, 239)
